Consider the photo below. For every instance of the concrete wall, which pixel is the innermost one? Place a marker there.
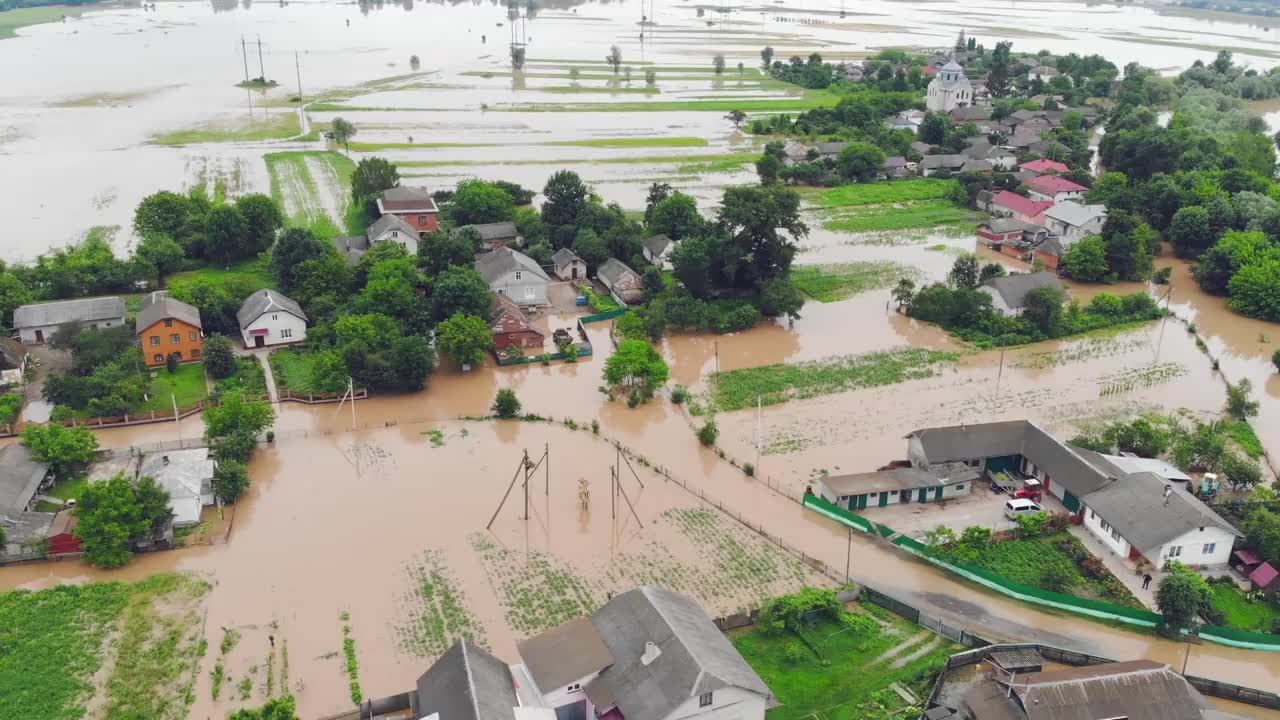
(528, 289)
(28, 335)
(276, 323)
(1109, 537)
(1193, 544)
(726, 704)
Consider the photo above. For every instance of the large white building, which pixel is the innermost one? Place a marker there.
(949, 90)
(269, 318)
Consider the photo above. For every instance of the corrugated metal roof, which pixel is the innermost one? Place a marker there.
(20, 477)
(1136, 506)
(564, 654)
(618, 274)
(1136, 690)
(65, 311)
(159, 306)
(467, 683)
(894, 479)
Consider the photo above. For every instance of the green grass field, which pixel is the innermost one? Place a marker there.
(187, 384)
(735, 158)
(833, 283)
(1242, 613)
(54, 643)
(11, 20)
(880, 193)
(278, 127)
(292, 370)
(906, 216)
(851, 681)
(774, 384)
(1029, 561)
(297, 191)
(1242, 433)
(247, 272)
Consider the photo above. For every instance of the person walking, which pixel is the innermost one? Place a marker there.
(1146, 581)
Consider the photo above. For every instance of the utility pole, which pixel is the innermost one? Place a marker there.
(1000, 373)
(176, 420)
(848, 553)
(262, 71)
(298, 68)
(244, 53)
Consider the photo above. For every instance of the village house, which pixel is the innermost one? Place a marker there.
(511, 327)
(894, 486)
(20, 478)
(934, 164)
(37, 323)
(268, 318)
(625, 284)
(1009, 293)
(61, 534)
(13, 361)
(388, 228)
(493, 235)
(830, 150)
(794, 153)
(657, 249)
(949, 90)
(646, 654)
(165, 327)
(907, 120)
(997, 156)
(567, 265)
(24, 532)
(514, 274)
(1049, 253)
(922, 148)
(895, 167)
(187, 475)
(1010, 204)
(1055, 188)
(1044, 166)
(1043, 72)
(1000, 233)
(964, 114)
(413, 205)
(1071, 221)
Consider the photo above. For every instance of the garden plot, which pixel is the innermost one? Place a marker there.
(312, 188)
(1083, 350)
(436, 609)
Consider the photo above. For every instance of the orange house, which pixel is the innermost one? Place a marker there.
(167, 327)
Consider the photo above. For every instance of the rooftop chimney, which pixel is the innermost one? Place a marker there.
(651, 653)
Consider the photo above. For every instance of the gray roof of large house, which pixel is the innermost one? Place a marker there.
(159, 306)
(1135, 505)
(694, 656)
(20, 477)
(265, 301)
(1013, 288)
(830, 148)
(494, 265)
(1076, 214)
(613, 269)
(563, 257)
(490, 232)
(184, 473)
(564, 654)
(391, 222)
(933, 162)
(1064, 465)
(65, 311)
(656, 244)
(467, 683)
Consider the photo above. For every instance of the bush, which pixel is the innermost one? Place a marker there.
(171, 363)
(506, 405)
(679, 394)
(749, 469)
(708, 433)
(794, 652)
(219, 361)
(230, 480)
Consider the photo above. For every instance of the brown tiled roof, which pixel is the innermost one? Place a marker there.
(506, 317)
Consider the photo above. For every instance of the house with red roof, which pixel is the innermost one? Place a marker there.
(1010, 204)
(1044, 167)
(1055, 188)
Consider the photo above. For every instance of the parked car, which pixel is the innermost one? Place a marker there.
(1020, 506)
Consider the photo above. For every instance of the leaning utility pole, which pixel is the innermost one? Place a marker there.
(244, 53)
(298, 68)
(262, 71)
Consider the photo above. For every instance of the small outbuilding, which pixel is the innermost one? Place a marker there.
(657, 249)
(1009, 293)
(268, 318)
(37, 323)
(20, 477)
(567, 265)
(625, 284)
(493, 235)
(1265, 578)
(859, 491)
(511, 327)
(187, 475)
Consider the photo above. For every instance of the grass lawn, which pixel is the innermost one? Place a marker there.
(902, 216)
(187, 384)
(853, 682)
(248, 378)
(54, 644)
(292, 370)
(1242, 433)
(1240, 612)
(774, 384)
(1028, 562)
(278, 127)
(879, 193)
(248, 272)
(11, 20)
(68, 489)
(832, 283)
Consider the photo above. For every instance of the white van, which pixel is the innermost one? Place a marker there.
(1020, 506)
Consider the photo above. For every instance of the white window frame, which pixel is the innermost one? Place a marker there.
(1209, 548)
(1175, 551)
(529, 292)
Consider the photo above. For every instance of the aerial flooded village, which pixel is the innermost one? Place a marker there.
(589, 360)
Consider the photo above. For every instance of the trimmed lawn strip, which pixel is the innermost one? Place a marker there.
(293, 370)
(1242, 433)
(283, 125)
(1240, 612)
(833, 283)
(879, 193)
(187, 384)
(774, 384)
(922, 214)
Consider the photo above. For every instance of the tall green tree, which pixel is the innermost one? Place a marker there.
(109, 517)
(1086, 260)
(343, 131)
(635, 364)
(676, 217)
(965, 273)
(1181, 595)
(236, 413)
(477, 201)
(764, 226)
(460, 290)
(262, 220)
(565, 198)
(60, 447)
(162, 254)
(225, 234)
(371, 176)
(465, 339)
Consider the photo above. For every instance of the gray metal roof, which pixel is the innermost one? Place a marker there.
(490, 232)
(563, 257)
(23, 527)
(614, 270)
(20, 477)
(1135, 505)
(65, 311)
(933, 162)
(694, 657)
(467, 683)
(390, 222)
(895, 479)
(564, 654)
(492, 266)
(406, 200)
(656, 244)
(265, 301)
(159, 306)
(1018, 659)
(1073, 213)
(184, 473)
(1136, 690)
(1013, 288)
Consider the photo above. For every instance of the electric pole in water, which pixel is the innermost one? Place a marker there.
(244, 53)
(298, 68)
(262, 72)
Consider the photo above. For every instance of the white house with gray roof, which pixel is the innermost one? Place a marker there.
(514, 274)
(493, 235)
(657, 249)
(37, 323)
(188, 477)
(268, 318)
(1072, 222)
(388, 228)
(1009, 293)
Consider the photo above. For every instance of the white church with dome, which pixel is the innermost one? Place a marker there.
(950, 89)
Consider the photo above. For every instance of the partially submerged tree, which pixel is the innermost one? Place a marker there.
(614, 58)
(343, 131)
(505, 404)
(464, 338)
